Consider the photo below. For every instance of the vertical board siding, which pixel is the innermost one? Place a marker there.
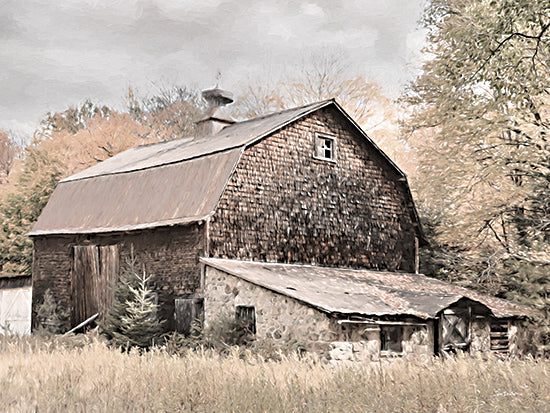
(85, 281)
(109, 269)
(282, 204)
(15, 310)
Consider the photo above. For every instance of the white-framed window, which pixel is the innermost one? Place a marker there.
(325, 147)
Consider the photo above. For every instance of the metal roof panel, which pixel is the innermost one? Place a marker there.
(364, 292)
(138, 199)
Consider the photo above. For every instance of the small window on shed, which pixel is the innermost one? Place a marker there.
(391, 338)
(246, 318)
(325, 147)
(499, 337)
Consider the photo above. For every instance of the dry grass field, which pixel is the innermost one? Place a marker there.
(82, 374)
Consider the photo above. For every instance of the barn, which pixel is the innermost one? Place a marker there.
(299, 206)
(15, 305)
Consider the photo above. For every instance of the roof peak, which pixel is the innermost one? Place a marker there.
(238, 134)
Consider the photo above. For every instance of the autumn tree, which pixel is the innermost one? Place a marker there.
(482, 102)
(9, 151)
(325, 77)
(170, 113)
(72, 140)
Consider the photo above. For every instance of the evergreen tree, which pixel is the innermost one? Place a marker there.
(132, 320)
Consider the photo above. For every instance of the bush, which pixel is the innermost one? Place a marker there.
(51, 319)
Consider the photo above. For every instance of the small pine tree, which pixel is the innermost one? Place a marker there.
(51, 318)
(132, 320)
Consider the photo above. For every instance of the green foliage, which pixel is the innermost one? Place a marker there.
(21, 208)
(169, 114)
(73, 118)
(529, 284)
(483, 102)
(132, 320)
(51, 319)
(59, 150)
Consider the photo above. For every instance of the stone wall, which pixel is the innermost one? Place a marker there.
(277, 317)
(282, 204)
(362, 342)
(285, 319)
(480, 334)
(170, 255)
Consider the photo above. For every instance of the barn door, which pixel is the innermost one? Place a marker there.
(108, 270)
(95, 269)
(455, 329)
(15, 310)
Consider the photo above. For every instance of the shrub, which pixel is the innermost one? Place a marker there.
(51, 318)
(132, 320)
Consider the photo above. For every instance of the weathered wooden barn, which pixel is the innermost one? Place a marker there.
(294, 216)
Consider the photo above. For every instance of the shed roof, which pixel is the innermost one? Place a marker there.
(361, 292)
(167, 183)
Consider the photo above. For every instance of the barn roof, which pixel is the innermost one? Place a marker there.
(163, 184)
(236, 135)
(131, 201)
(361, 292)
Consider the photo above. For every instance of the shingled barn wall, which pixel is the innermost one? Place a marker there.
(284, 205)
(170, 255)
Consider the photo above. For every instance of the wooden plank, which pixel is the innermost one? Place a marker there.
(109, 269)
(84, 282)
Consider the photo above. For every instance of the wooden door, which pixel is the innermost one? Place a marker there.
(188, 311)
(455, 330)
(95, 271)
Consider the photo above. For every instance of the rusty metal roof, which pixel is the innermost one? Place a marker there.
(361, 292)
(166, 183)
(171, 194)
(236, 135)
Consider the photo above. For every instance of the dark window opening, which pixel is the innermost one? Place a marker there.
(246, 318)
(391, 339)
(325, 148)
(500, 341)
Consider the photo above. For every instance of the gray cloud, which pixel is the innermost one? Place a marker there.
(54, 54)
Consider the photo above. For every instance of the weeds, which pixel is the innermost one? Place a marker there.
(82, 373)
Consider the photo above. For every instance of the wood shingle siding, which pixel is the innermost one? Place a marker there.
(284, 205)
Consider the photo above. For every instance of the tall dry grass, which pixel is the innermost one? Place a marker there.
(83, 374)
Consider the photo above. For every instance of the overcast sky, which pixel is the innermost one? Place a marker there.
(58, 53)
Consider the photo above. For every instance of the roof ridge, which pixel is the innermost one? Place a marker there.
(286, 110)
(144, 155)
